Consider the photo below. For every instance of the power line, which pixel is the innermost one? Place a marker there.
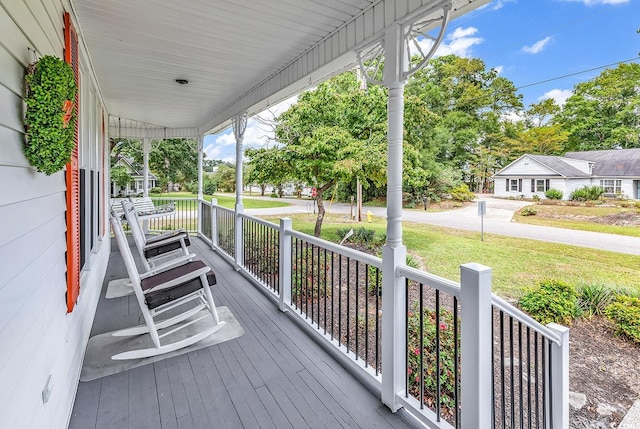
(576, 73)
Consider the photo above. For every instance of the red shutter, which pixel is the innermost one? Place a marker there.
(73, 177)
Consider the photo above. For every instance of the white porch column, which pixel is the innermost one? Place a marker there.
(146, 148)
(200, 194)
(239, 127)
(200, 157)
(393, 253)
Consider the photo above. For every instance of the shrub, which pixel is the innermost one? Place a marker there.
(274, 195)
(528, 211)
(155, 190)
(553, 194)
(625, 313)
(594, 298)
(310, 275)
(360, 235)
(462, 193)
(536, 197)
(551, 301)
(431, 325)
(587, 193)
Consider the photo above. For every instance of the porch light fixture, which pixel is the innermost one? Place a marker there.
(182, 81)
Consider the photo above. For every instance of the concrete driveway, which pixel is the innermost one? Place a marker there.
(498, 220)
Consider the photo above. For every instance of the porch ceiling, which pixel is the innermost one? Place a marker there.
(236, 54)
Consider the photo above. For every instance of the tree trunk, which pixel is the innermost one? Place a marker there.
(320, 218)
(263, 186)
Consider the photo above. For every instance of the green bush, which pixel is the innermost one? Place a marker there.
(375, 276)
(594, 298)
(274, 195)
(553, 194)
(528, 211)
(360, 235)
(587, 193)
(431, 325)
(462, 193)
(625, 313)
(155, 190)
(536, 197)
(551, 301)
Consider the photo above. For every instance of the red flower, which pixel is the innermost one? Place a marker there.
(443, 326)
(409, 371)
(417, 352)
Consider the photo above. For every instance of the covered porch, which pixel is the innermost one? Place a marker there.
(273, 376)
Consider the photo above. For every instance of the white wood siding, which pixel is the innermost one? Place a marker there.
(526, 166)
(39, 339)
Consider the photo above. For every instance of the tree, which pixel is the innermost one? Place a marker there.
(466, 104)
(267, 166)
(120, 176)
(336, 132)
(174, 160)
(604, 112)
(225, 177)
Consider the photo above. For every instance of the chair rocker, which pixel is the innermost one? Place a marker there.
(156, 250)
(158, 293)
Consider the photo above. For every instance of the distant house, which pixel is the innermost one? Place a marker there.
(616, 170)
(136, 185)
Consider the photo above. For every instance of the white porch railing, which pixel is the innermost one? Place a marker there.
(463, 367)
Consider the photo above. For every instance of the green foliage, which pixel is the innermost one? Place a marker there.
(587, 193)
(174, 160)
(310, 275)
(225, 177)
(553, 194)
(551, 301)
(625, 313)
(274, 195)
(50, 119)
(209, 186)
(593, 299)
(155, 190)
(120, 176)
(528, 211)
(602, 113)
(462, 193)
(427, 350)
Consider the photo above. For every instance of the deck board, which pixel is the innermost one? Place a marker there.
(274, 376)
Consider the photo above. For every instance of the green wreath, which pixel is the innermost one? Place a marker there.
(51, 115)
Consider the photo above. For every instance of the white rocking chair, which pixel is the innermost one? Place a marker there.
(159, 292)
(170, 246)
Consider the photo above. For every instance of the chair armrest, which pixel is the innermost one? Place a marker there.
(165, 235)
(168, 265)
(165, 241)
(175, 276)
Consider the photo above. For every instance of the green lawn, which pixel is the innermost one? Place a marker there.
(227, 200)
(579, 217)
(517, 263)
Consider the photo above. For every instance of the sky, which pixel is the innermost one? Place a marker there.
(533, 43)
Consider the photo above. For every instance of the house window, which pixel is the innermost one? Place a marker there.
(611, 186)
(513, 185)
(542, 185)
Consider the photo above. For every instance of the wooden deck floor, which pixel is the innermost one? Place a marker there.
(274, 376)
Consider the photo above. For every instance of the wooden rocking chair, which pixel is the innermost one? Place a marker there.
(159, 292)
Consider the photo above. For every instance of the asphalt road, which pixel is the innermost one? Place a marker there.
(496, 221)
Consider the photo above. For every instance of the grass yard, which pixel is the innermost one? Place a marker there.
(517, 263)
(585, 218)
(227, 200)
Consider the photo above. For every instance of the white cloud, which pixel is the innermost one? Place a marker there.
(258, 133)
(499, 69)
(499, 4)
(459, 43)
(538, 46)
(595, 2)
(559, 95)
